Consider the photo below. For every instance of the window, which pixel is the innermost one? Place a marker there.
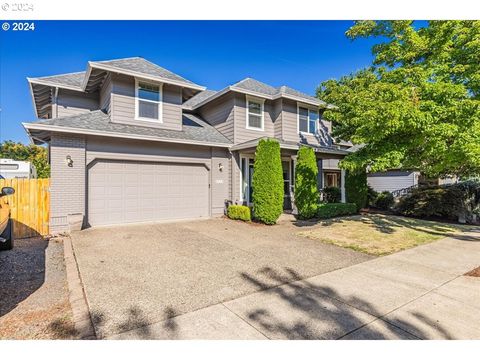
(307, 120)
(332, 179)
(148, 101)
(246, 189)
(254, 114)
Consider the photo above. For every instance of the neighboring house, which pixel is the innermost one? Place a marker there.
(395, 180)
(13, 169)
(130, 141)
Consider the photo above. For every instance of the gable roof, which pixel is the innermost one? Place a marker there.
(41, 88)
(138, 66)
(194, 129)
(254, 87)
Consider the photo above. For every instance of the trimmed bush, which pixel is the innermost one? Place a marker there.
(239, 212)
(384, 200)
(356, 188)
(332, 194)
(371, 196)
(459, 201)
(326, 211)
(306, 190)
(267, 182)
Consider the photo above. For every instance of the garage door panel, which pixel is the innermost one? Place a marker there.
(123, 192)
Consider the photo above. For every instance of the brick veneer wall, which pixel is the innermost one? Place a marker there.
(67, 187)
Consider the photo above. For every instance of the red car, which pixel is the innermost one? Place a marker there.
(6, 239)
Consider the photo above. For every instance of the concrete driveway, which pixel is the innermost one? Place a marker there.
(139, 275)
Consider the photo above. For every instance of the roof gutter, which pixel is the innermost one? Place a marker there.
(70, 130)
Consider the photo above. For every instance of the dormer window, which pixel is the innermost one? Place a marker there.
(148, 101)
(255, 118)
(307, 120)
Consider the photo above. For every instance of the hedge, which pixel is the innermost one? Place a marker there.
(356, 188)
(239, 212)
(306, 190)
(267, 182)
(332, 194)
(329, 210)
(459, 201)
(384, 200)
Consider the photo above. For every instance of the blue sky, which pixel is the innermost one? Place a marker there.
(215, 54)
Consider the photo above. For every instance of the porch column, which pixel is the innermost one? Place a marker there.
(342, 186)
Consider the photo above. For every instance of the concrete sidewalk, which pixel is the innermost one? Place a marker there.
(415, 294)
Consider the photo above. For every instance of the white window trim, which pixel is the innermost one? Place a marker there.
(262, 112)
(160, 101)
(309, 108)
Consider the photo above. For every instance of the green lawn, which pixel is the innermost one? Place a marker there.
(380, 234)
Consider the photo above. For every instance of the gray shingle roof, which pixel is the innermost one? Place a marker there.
(143, 66)
(255, 86)
(288, 90)
(71, 79)
(197, 99)
(194, 128)
(136, 64)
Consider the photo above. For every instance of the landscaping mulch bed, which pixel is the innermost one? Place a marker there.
(33, 291)
(474, 272)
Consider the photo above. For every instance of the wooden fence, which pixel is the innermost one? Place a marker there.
(30, 206)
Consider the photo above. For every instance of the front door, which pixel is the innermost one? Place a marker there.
(287, 202)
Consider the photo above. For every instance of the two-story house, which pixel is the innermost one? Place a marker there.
(130, 141)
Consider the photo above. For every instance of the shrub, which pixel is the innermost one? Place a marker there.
(326, 210)
(267, 182)
(371, 196)
(331, 194)
(306, 190)
(429, 202)
(384, 200)
(459, 201)
(239, 212)
(356, 188)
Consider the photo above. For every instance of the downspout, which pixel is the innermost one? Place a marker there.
(55, 97)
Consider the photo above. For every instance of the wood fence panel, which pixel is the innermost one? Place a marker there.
(30, 206)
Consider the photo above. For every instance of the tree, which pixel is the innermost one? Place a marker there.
(33, 153)
(356, 187)
(306, 190)
(418, 105)
(267, 182)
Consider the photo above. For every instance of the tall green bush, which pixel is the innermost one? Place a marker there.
(356, 188)
(267, 182)
(306, 190)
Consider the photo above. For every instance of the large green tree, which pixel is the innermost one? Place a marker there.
(36, 154)
(418, 105)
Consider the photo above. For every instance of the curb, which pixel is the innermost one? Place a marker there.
(76, 295)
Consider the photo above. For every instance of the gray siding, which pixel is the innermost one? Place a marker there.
(71, 102)
(67, 188)
(220, 181)
(277, 118)
(289, 120)
(220, 114)
(123, 104)
(392, 180)
(105, 94)
(290, 130)
(243, 134)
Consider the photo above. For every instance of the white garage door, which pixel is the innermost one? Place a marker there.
(126, 192)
